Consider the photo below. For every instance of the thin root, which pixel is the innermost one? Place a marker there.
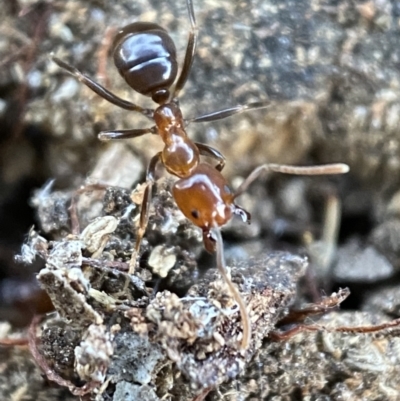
(48, 371)
(385, 329)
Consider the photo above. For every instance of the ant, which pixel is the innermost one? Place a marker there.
(145, 56)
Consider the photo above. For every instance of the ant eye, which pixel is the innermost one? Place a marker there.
(195, 213)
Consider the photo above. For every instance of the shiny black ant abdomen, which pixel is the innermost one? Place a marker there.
(145, 56)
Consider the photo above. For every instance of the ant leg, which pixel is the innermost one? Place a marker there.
(125, 133)
(144, 212)
(190, 51)
(101, 91)
(206, 150)
(219, 115)
(324, 169)
(234, 291)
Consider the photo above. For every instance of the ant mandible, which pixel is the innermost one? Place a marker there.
(145, 56)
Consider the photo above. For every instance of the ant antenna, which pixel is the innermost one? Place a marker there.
(335, 168)
(190, 52)
(221, 114)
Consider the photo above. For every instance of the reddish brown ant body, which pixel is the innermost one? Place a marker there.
(145, 56)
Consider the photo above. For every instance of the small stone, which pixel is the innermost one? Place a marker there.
(162, 259)
(360, 264)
